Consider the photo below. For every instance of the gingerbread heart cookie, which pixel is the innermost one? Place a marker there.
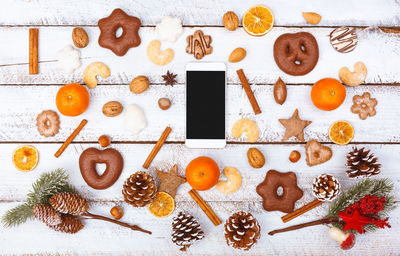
(317, 153)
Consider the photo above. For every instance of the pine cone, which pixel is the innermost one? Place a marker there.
(242, 230)
(362, 163)
(326, 187)
(46, 214)
(139, 189)
(70, 224)
(185, 230)
(69, 203)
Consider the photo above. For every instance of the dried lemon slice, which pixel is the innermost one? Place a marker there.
(163, 205)
(25, 158)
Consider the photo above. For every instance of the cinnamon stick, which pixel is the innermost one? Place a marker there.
(301, 210)
(33, 51)
(99, 217)
(304, 225)
(206, 209)
(70, 138)
(249, 92)
(157, 147)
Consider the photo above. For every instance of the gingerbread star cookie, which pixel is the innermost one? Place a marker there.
(294, 126)
(170, 181)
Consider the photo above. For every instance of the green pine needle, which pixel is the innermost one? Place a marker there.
(48, 184)
(379, 187)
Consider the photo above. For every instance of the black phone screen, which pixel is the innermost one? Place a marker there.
(205, 104)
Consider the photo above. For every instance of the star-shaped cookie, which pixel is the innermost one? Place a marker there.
(294, 126)
(170, 181)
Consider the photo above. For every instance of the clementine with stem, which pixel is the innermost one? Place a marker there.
(72, 99)
(328, 94)
(202, 173)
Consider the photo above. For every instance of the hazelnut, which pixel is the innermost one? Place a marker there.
(164, 103)
(139, 84)
(104, 141)
(294, 156)
(231, 21)
(117, 212)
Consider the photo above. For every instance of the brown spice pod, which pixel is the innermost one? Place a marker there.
(280, 91)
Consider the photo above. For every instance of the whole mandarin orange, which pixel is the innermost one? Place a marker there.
(202, 173)
(328, 94)
(72, 99)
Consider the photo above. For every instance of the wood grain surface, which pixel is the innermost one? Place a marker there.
(24, 96)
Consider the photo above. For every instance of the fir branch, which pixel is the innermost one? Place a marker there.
(17, 215)
(47, 185)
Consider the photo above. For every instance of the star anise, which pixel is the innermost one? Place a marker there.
(169, 78)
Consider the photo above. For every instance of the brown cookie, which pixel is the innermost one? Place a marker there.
(114, 164)
(268, 190)
(130, 32)
(364, 105)
(296, 54)
(344, 39)
(317, 153)
(199, 45)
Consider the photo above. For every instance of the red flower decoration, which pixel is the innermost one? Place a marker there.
(354, 220)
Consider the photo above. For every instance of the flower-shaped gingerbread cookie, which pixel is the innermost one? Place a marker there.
(268, 190)
(169, 29)
(68, 59)
(130, 32)
(364, 105)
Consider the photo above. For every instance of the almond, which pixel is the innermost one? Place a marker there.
(112, 108)
(231, 21)
(237, 55)
(139, 84)
(312, 17)
(80, 37)
(255, 157)
(280, 91)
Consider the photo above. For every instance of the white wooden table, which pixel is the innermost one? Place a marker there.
(23, 96)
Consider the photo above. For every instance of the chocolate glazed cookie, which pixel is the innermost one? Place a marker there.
(296, 54)
(114, 164)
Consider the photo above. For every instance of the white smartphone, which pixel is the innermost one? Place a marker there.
(205, 105)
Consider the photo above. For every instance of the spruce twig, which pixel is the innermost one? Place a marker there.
(48, 184)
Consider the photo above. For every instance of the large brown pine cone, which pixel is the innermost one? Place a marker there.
(46, 214)
(326, 187)
(70, 224)
(139, 189)
(362, 163)
(69, 203)
(185, 230)
(242, 231)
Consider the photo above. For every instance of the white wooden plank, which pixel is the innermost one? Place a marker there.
(100, 238)
(15, 184)
(75, 12)
(21, 104)
(379, 51)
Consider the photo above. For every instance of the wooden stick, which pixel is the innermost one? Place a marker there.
(206, 209)
(304, 225)
(301, 210)
(33, 51)
(249, 92)
(99, 217)
(70, 138)
(157, 147)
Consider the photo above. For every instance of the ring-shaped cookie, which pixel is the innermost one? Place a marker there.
(268, 190)
(296, 54)
(130, 32)
(48, 123)
(92, 156)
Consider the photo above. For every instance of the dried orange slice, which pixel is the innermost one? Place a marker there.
(25, 158)
(163, 205)
(258, 20)
(341, 132)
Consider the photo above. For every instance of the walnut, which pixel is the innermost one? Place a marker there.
(231, 21)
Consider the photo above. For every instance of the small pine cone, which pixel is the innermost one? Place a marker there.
(70, 224)
(326, 187)
(139, 189)
(185, 230)
(46, 214)
(69, 203)
(362, 163)
(242, 230)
